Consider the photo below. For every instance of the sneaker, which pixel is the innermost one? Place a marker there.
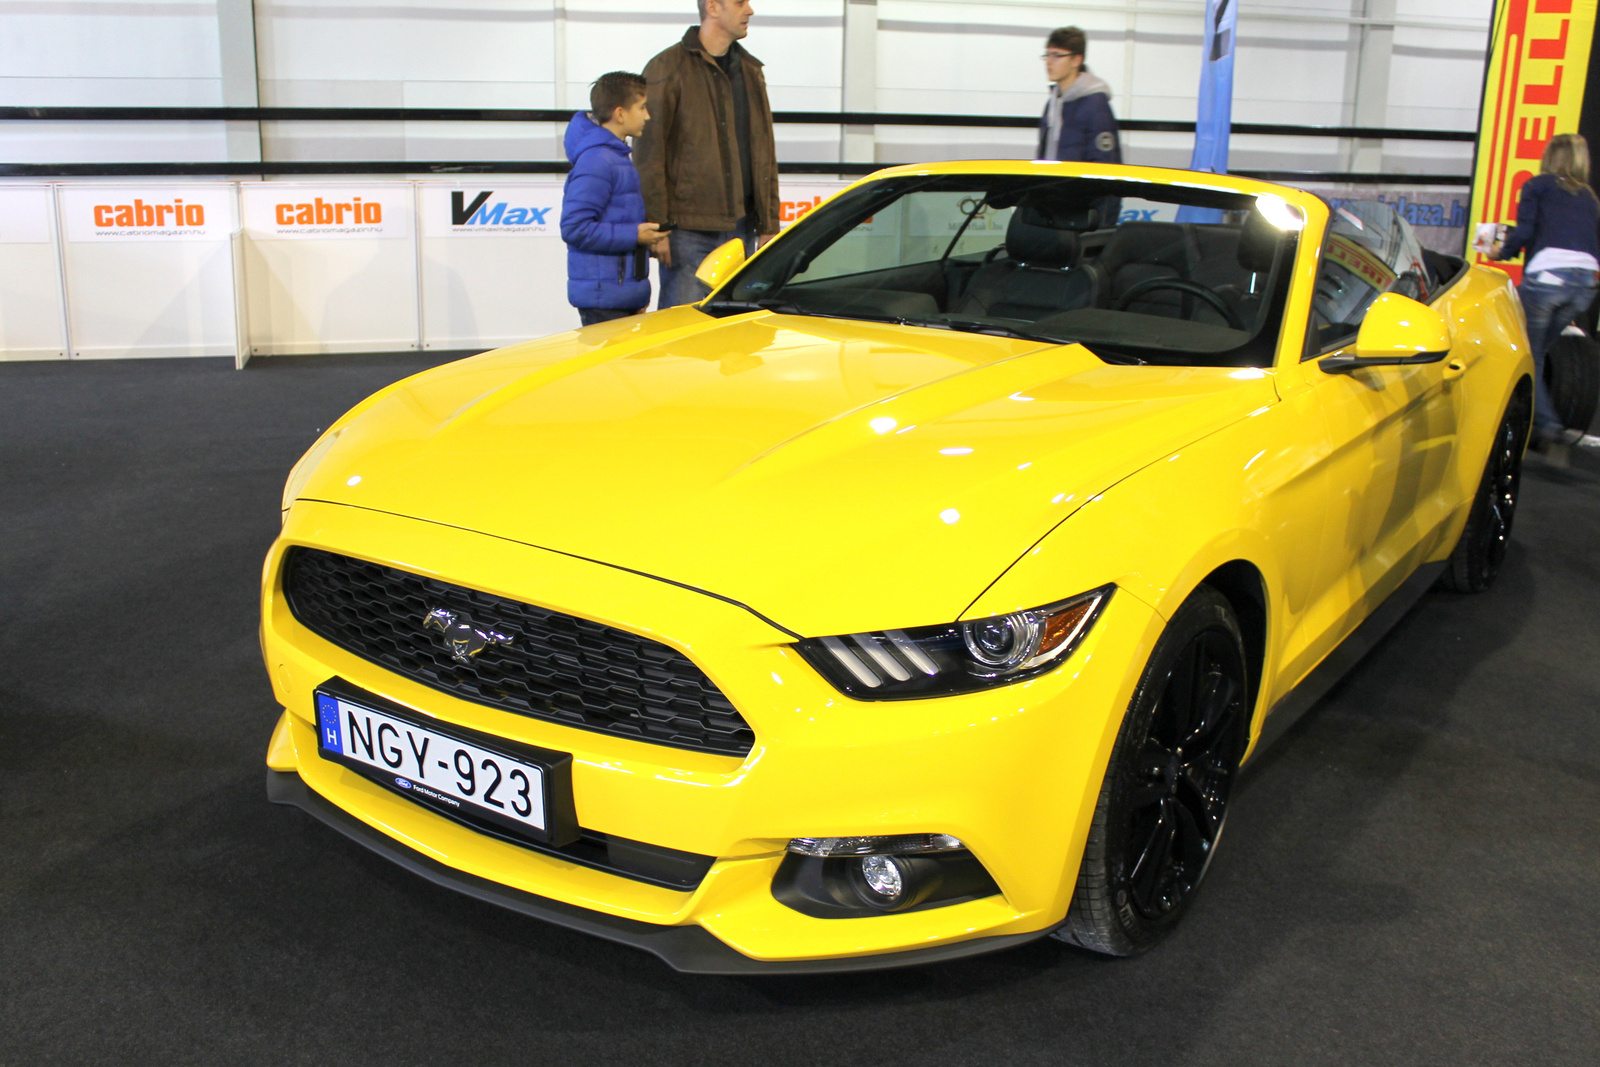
(1552, 448)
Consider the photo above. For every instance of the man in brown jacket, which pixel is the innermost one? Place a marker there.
(707, 162)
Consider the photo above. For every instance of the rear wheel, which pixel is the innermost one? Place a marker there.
(1482, 548)
(1165, 795)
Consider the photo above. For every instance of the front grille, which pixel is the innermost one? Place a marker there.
(555, 667)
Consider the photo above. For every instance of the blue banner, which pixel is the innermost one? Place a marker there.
(1215, 118)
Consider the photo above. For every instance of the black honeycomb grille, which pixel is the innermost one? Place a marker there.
(556, 667)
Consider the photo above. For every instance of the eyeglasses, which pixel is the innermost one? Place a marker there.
(1058, 55)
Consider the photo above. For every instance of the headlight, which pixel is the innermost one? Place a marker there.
(301, 471)
(957, 657)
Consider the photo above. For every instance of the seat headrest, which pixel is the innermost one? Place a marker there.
(1040, 246)
(1160, 244)
(1057, 213)
(1259, 241)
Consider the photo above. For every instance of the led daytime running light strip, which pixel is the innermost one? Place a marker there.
(893, 844)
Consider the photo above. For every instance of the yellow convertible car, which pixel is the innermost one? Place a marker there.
(920, 592)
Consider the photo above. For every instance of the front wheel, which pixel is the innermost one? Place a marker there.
(1165, 794)
(1482, 548)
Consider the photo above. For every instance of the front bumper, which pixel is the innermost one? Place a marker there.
(1013, 772)
(689, 949)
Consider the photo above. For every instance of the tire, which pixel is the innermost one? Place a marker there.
(1164, 799)
(1573, 368)
(1477, 557)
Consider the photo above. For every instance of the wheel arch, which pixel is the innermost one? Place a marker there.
(1243, 585)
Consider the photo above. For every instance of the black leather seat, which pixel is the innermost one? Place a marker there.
(1240, 260)
(1141, 251)
(1039, 274)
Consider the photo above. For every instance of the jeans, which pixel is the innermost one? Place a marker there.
(1550, 306)
(689, 250)
(590, 316)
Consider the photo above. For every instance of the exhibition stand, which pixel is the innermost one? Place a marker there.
(95, 271)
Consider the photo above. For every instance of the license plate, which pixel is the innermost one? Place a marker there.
(435, 768)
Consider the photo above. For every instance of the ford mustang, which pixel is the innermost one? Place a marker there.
(920, 592)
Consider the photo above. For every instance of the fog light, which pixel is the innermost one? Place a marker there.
(887, 882)
(866, 882)
(883, 879)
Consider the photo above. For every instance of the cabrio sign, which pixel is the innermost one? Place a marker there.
(147, 213)
(285, 211)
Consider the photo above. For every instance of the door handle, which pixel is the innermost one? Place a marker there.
(1454, 369)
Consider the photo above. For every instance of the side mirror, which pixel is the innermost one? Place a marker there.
(721, 263)
(1396, 331)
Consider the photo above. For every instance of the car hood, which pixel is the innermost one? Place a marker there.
(832, 475)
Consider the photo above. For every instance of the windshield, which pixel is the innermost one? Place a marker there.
(1136, 271)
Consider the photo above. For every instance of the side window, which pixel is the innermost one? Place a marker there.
(1350, 279)
(1370, 250)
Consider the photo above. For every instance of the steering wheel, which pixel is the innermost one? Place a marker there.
(1192, 288)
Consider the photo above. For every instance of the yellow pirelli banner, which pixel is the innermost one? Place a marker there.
(1533, 90)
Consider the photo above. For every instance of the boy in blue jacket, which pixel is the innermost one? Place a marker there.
(602, 211)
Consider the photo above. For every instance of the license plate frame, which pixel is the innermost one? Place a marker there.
(342, 701)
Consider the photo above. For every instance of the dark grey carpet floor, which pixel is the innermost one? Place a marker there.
(1412, 876)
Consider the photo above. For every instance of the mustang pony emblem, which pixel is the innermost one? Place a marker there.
(465, 640)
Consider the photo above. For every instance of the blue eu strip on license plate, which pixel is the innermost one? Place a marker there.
(432, 767)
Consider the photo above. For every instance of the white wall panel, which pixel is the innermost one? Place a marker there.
(484, 287)
(31, 323)
(112, 142)
(423, 40)
(109, 53)
(1436, 78)
(72, 91)
(329, 293)
(136, 40)
(149, 289)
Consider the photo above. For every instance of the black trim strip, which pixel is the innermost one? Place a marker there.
(817, 118)
(545, 166)
(689, 949)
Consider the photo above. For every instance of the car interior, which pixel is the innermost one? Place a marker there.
(1067, 266)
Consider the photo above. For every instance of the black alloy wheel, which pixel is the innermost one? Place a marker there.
(1482, 548)
(1165, 796)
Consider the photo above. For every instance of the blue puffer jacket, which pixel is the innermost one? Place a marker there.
(1088, 128)
(600, 215)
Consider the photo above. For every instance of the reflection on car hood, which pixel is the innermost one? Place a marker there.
(833, 475)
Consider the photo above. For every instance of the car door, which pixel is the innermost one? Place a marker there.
(1392, 430)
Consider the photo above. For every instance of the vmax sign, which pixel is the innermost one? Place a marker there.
(503, 211)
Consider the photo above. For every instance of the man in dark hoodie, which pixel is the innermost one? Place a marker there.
(1077, 125)
(602, 209)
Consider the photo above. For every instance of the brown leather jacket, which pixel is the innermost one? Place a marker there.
(688, 155)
